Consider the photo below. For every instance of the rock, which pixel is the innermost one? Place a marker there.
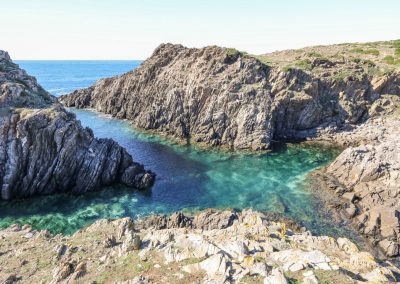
(276, 277)
(215, 266)
(310, 280)
(214, 219)
(60, 250)
(346, 245)
(209, 97)
(110, 241)
(11, 279)
(372, 173)
(260, 268)
(62, 272)
(44, 149)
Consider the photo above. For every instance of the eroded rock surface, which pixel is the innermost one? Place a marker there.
(219, 96)
(249, 249)
(44, 149)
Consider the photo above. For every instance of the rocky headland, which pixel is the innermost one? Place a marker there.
(209, 247)
(45, 150)
(345, 94)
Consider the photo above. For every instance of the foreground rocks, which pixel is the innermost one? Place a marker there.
(45, 150)
(211, 247)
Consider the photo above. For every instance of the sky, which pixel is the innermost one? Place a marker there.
(132, 29)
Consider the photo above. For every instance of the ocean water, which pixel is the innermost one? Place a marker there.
(188, 178)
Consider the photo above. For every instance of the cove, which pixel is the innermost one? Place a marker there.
(188, 178)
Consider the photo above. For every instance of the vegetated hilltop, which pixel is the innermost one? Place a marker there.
(44, 149)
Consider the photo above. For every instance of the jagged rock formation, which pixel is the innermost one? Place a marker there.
(210, 247)
(220, 96)
(44, 149)
(217, 96)
(367, 179)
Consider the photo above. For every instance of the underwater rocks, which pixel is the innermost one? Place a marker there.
(249, 248)
(219, 96)
(45, 150)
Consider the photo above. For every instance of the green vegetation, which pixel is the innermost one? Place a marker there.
(262, 58)
(365, 51)
(233, 52)
(391, 60)
(314, 54)
(303, 64)
(396, 43)
(286, 68)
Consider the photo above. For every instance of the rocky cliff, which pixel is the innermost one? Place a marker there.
(210, 247)
(345, 94)
(219, 96)
(44, 149)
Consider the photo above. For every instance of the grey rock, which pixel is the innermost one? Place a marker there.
(212, 97)
(44, 149)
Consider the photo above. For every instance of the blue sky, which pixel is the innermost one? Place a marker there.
(122, 29)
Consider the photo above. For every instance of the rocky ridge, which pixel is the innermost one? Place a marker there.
(219, 96)
(44, 149)
(344, 94)
(210, 247)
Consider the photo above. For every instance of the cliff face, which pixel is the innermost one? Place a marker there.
(44, 149)
(219, 96)
(346, 94)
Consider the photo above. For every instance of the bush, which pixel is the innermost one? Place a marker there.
(367, 51)
(303, 64)
(389, 59)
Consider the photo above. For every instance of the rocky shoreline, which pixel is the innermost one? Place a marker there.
(332, 94)
(45, 150)
(210, 247)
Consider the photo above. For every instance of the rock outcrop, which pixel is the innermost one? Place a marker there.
(219, 96)
(367, 179)
(248, 248)
(44, 149)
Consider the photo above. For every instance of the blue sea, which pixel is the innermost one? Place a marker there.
(188, 178)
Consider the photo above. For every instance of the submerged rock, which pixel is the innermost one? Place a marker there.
(44, 149)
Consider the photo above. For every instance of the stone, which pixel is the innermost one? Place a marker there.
(215, 264)
(36, 132)
(276, 277)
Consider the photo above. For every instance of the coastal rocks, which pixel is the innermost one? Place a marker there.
(235, 254)
(276, 277)
(216, 96)
(45, 150)
(370, 176)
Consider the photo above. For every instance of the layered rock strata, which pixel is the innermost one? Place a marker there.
(219, 96)
(343, 94)
(44, 149)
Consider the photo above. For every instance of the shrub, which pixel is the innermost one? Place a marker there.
(365, 51)
(389, 59)
(303, 64)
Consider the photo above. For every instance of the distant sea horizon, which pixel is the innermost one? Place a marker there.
(60, 77)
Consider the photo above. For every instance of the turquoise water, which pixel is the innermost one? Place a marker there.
(187, 178)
